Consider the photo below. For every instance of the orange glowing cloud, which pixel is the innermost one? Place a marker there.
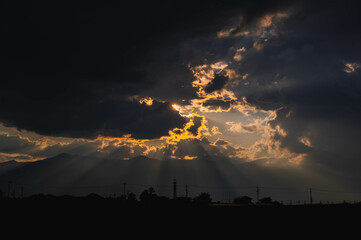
(225, 98)
(191, 130)
(215, 130)
(19, 157)
(147, 100)
(351, 67)
(238, 56)
(297, 159)
(306, 141)
(269, 19)
(190, 157)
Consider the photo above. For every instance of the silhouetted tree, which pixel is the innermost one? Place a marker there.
(148, 195)
(151, 191)
(144, 196)
(266, 200)
(243, 200)
(269, 201)
(94, 196)
(204, 198)
(132, 197)
(184, 200)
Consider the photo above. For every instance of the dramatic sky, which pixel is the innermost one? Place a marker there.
(273, 82)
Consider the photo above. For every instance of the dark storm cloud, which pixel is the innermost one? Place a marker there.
(111, 117)
(220, 142)
(214, 104)
(217, 83)
(302, 74)
(15, 144)
(22, 148)
(68, 68)
(197, 123)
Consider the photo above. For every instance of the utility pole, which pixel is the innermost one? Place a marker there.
(311, 196)
(186, 190)
(174, 189)
(257, 192)
(9, 187)
(124, 190)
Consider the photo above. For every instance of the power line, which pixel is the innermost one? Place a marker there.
(11, 185)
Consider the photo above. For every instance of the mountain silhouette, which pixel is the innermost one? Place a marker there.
(10, 165)
(77, 175)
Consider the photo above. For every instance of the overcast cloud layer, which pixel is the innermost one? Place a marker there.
(275, 82)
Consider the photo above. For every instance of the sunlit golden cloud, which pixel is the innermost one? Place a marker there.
(259, 125)
(243, 128)
(189, 131)
(184, 111)
(269, 19)
(238, 56)
(259, 44)
(167, 147)
(219, 65)
(351, 67)
(190, 157)
(147, 100)
(232, 32)
(19, 157)
(306, 141)
(215, 130)
(264, 23)
(220, 101)
(231, 74)
(270, 148)
(297, 158)
(204, 74)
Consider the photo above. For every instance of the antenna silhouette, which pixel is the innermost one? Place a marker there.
(9, 187)
(174, 189)
(257, 192)
(124, 188)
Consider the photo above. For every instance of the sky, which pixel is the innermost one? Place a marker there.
(275, 83)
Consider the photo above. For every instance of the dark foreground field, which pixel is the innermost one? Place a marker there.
(116, 214)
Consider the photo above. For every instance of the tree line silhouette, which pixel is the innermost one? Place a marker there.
(149, 197)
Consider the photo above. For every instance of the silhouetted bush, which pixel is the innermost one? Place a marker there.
(131, 197)
(243, 200)
(203, 198)
(93, 196)
(148, 195)
(268, 201)
(265, 200)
